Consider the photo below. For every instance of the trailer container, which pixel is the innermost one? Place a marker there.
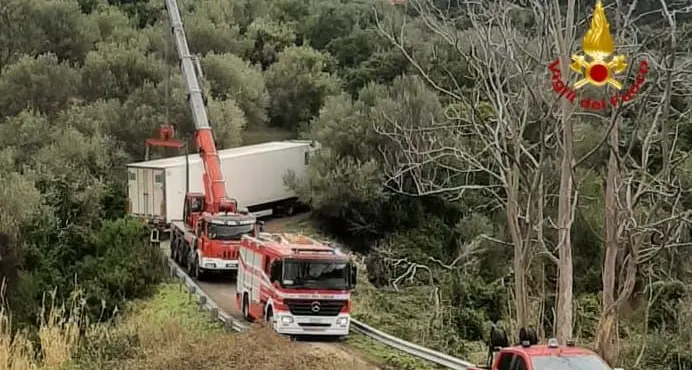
(254, 176)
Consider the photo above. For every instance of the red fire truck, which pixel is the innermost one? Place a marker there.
(296, 284)
(529, 355)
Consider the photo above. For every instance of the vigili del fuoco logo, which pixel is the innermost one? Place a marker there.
(598, 67)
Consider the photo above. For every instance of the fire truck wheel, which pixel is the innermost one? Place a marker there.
(246, 308)
(269, 317)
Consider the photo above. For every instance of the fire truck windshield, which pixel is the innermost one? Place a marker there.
(228, 232)
(585, 362)
(316, 274)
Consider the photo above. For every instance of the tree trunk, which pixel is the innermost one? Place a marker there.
(563, 331)
(563, 319)
(519, 261)
(606, 339)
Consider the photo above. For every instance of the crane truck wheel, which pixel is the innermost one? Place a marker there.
(199, 272)
(179, 252)
(174, 249)
(189, 264)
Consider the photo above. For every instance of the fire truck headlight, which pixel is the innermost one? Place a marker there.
(342, 321)
(210, 265)
(286, 319)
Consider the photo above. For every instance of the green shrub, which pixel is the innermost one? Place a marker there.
(122, 265)
(110, 265)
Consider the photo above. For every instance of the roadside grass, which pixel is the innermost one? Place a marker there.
(405, 314)
(166, 331)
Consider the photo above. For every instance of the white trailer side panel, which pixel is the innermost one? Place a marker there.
(258, 178)
(177, 187)
(146, 192)
(254, 175)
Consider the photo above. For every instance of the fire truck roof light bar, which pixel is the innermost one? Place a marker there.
(312, 250)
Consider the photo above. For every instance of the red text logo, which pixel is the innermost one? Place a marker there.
(562, 88)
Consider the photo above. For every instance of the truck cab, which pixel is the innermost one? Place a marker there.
(204, 242)
(297, 285)
(218, 239)
(529, 355)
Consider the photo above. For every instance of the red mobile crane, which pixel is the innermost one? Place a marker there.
(208, 237)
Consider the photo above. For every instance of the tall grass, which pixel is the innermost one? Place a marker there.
(57, 336)
(165, 332)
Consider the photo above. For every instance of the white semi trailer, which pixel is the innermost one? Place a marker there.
(254, 177)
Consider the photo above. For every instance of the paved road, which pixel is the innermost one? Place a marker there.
(219, 288)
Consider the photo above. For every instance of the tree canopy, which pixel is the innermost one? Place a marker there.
(447, 157)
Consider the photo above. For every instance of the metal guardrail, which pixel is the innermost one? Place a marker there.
(231, 323)
(411, 348)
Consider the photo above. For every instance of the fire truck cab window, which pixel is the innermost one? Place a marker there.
(316, 274)
(506, 361)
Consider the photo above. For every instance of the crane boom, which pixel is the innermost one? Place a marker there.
(215, 197)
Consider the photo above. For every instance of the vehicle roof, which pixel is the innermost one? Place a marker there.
(298, 246)
(544, 350)
(228, 216)
(223, 154)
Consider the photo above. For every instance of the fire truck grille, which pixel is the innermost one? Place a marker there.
(312, 308)
(227, 255)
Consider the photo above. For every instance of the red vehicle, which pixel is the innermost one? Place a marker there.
(208, 237)
(530, 355)
(296, 284)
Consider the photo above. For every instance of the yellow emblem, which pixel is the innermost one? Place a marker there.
(598, 46)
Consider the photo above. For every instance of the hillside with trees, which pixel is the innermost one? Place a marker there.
(476, 192)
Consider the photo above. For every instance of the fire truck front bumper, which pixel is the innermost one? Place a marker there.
(286, 323)
(218, 264)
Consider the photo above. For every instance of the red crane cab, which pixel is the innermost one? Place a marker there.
(206, 242)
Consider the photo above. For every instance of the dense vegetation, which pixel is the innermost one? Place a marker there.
(446, 156)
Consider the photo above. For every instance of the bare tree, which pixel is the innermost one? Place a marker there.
(644, 214)
(563, 35)
(497, 138)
